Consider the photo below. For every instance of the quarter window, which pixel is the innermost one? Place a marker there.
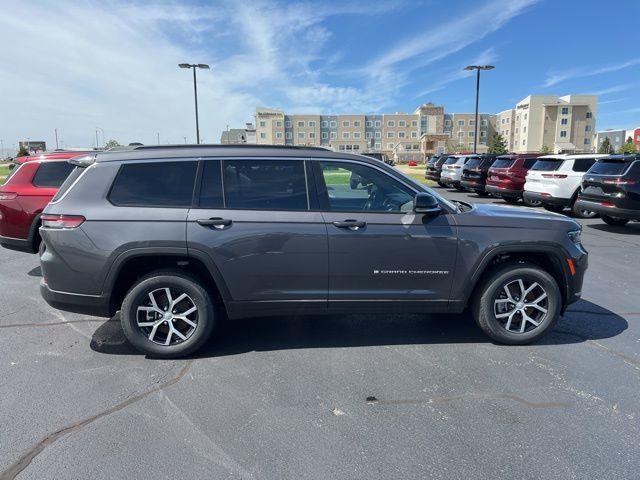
(349, 187)
(154, 184)
(211, 187)
(265, 185)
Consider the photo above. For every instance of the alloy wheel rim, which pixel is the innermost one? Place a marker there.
(521, 306)
(167, 316)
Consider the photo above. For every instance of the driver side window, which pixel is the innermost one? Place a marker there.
(352, 187)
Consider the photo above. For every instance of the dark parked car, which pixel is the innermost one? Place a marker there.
(23, 196)
(173, 236)
(434, 168)
(383, 157)
(611, 187)
(474, 173)
(507, 175)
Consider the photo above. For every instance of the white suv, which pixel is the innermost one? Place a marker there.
(452, 170)
(554, 180)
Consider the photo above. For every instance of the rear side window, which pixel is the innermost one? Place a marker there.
(52, 174)
(547, 165)
(502, 163)
(154, 184)
(265, 185)
(609, 167)
(529, 162)
(583, 164)
(66, 185)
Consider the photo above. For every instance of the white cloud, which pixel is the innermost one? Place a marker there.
(582, 72)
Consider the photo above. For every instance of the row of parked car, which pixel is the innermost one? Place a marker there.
(587, 184)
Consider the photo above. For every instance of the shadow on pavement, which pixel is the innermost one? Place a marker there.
(35, 272)
(630, 228)
(584, 321)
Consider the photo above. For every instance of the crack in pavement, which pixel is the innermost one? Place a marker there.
(472, 396)
(49, 324)
(23, 462)
(632, 362)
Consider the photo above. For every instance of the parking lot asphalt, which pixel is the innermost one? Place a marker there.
(286, 397)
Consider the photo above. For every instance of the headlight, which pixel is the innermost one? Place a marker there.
(575, 236)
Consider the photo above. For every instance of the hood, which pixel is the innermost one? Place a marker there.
(508, 216)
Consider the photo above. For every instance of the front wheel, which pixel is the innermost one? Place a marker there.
(614, 221)
(442, 184)
(531, 203)
(167, 314)
(517, 304)
(511, 200)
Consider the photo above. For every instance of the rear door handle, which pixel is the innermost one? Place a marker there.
(214, 222)
(351, 224)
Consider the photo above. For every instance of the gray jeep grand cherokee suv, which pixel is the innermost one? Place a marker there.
(174, 237)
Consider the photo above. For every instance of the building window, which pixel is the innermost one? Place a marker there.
(332, 135)
(472, 134)
(483, 133)
(447, 123)
(460, 134)
(300, 135)
(325, 135)
(324, 124)
(484, 123)
(587, 128)
(525, 116)
(617, 139)
(524, 129)
(278, 123)
(389, 146)
(402, 123)
(401, 135)
(369, 135)
(517, 130)
(565, 110)
(278, 134)
(356, 123)
(346, 123)
(586, 141)
(312, 123)
(333, 124)
(378, 134)
(356, 147)
(312, 134)
(414, 134)
(369, 123)
(263, 135)
(414, 123)
(472, 123)
(300, 124)
(390, 134)
(524, 142)
(461, 123)
(563, 133)
(289, 136)
(287, 124)
(377, 146)
(589, 115)
(342, 147)
(356, 134)
(391, 123)
(378, 123)
(345, 135)
(263, 123)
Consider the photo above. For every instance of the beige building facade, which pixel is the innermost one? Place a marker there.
(504, 126)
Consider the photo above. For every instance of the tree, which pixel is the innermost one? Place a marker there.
(110, 144)
(497, 144)
(605, 147)
(22, 152)
(545, 150)
(628, 146)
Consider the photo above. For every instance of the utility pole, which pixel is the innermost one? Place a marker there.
(158, 135)
(477, 68)
(195, 66)
(56, 130)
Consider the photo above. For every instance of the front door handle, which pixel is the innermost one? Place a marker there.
(351, 224)
(214, 222)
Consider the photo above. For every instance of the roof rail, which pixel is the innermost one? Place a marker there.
(217, 145)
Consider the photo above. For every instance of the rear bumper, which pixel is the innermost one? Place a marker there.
(94, 305)
(610, 211)
(546, 199)
(18, 244)
(503, 192)
(473, 185)
(435, 176)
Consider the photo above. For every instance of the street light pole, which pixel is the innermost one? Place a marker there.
(56, 130)
(195, 66)
(477, 68)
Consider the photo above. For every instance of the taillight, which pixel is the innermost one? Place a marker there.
(554, 175)
(607, 204)
(61, 221)
(619, 182)
(8, 195)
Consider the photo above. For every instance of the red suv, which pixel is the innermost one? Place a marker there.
(507, 175)
(24, 194)
(55, 155)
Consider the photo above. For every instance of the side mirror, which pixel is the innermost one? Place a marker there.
(426, 204)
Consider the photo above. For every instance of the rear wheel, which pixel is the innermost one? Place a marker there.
(482, 193)
(442, 184)
(459, 187)
(167, 314)
(614, 221)
(553, 208)
(511, 200)
(581, 212)
(517, 304)
(531, 203)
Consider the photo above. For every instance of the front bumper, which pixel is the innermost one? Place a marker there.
(503, 192)
(18, 244)
(609, 211)
(94, 305)
(546, 199)
(575, 280)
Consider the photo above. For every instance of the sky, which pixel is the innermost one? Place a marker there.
(81, 66)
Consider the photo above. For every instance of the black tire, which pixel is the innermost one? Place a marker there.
(531, 203)
(482, 193)
(582, 213)
(553, 208)
(180, 281)
(493, 285)
(511, 200)
(442, 184)
(614, 221)
(459, 188)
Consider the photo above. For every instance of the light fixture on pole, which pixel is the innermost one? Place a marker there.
(195, 66)
(477, 68)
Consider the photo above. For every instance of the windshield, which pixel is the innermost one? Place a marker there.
(547, 164)
(609, 167)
